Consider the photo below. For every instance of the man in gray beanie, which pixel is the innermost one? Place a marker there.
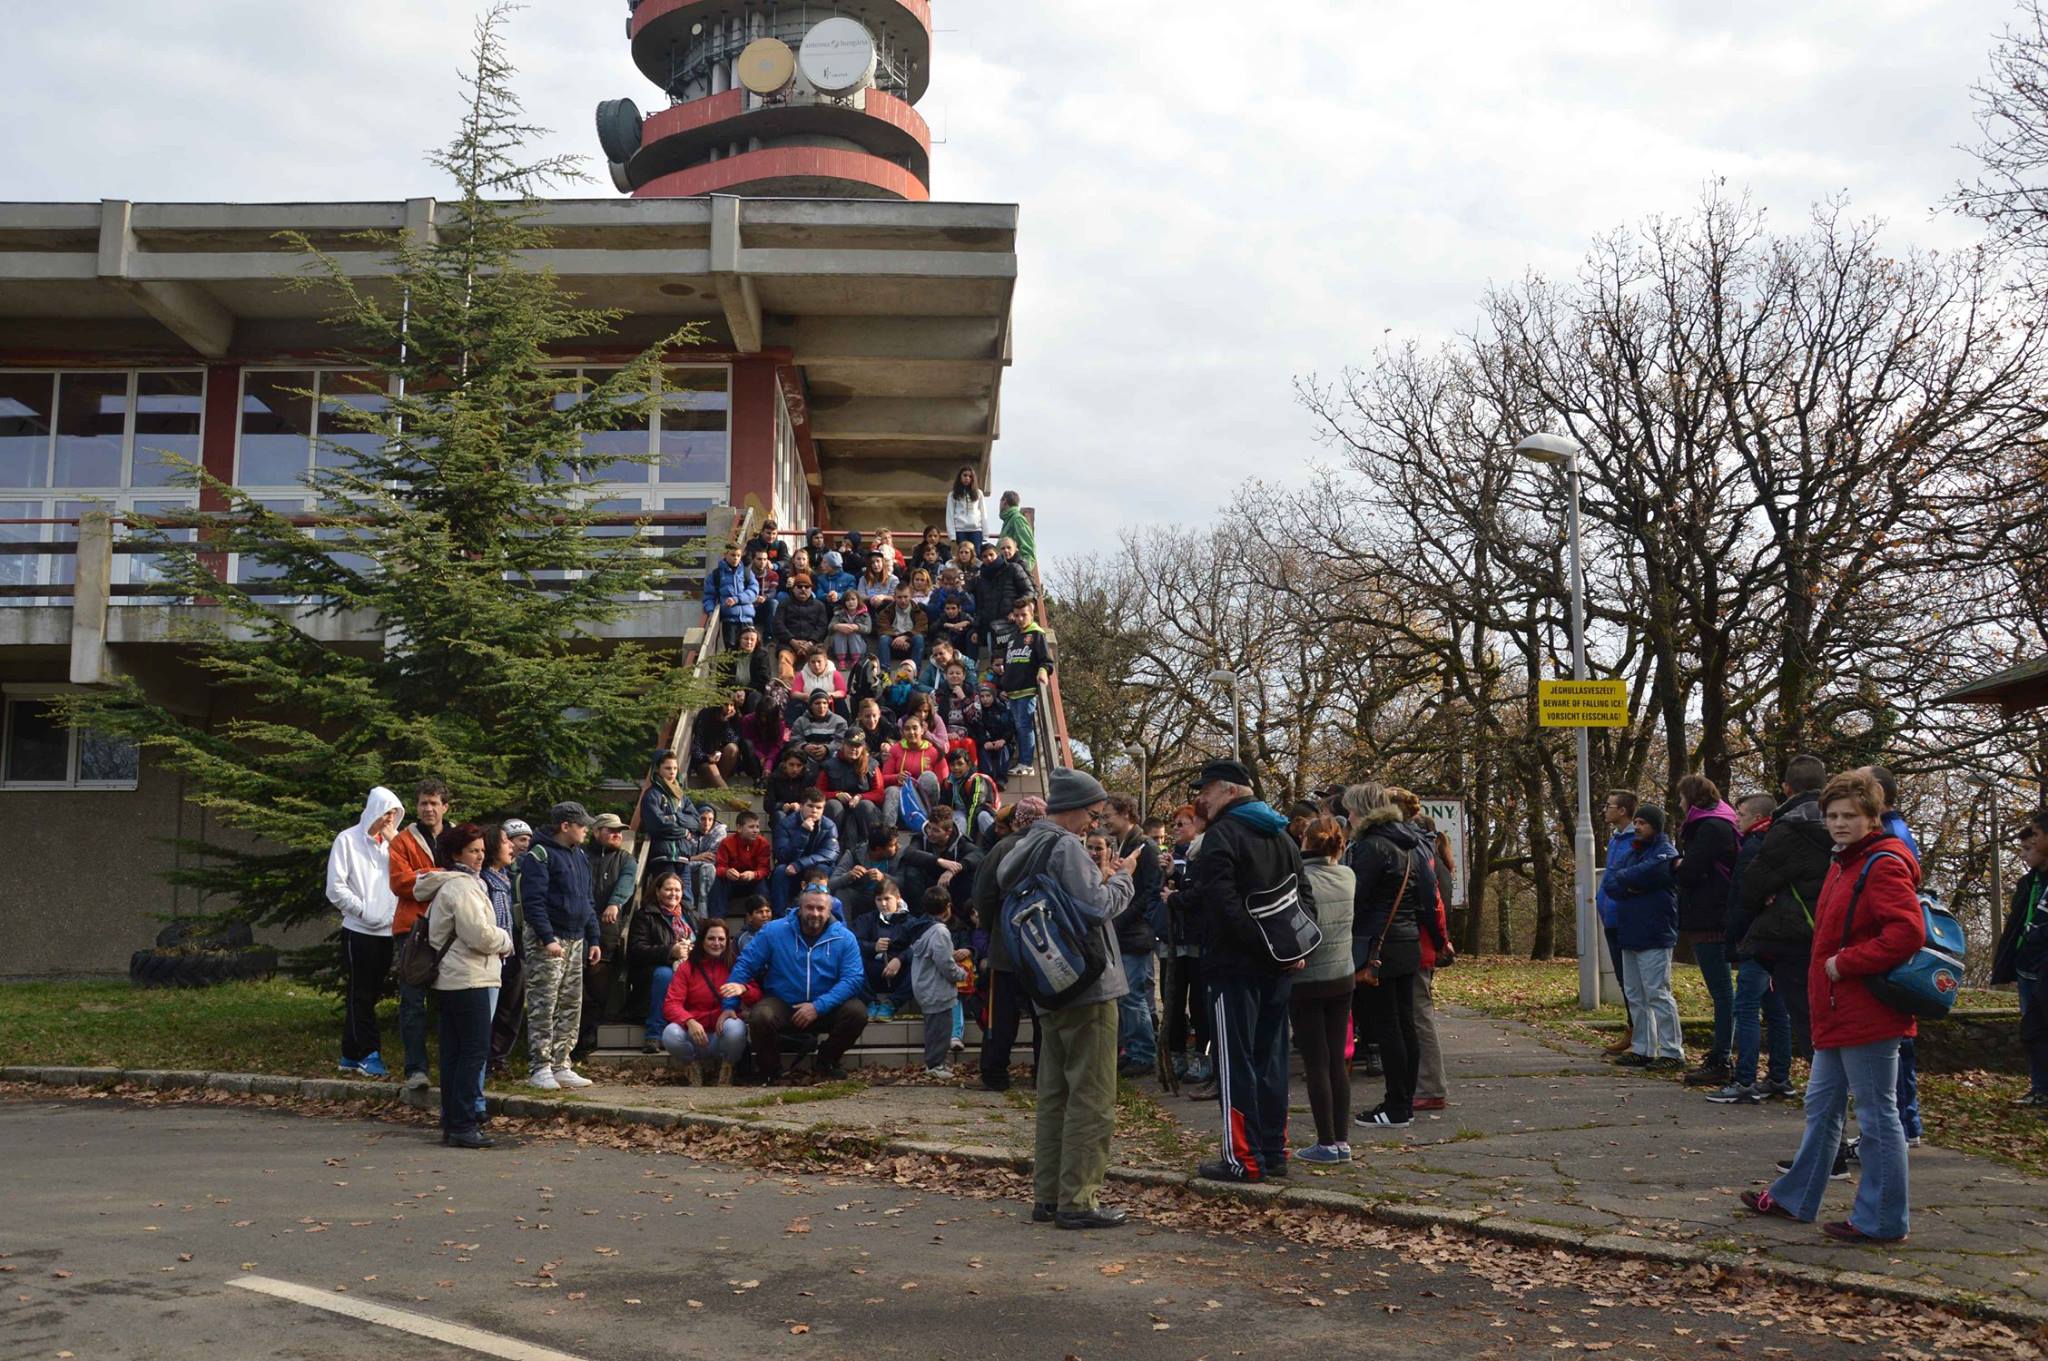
(1077, 1041)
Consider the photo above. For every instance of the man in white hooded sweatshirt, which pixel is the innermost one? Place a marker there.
(359, 883)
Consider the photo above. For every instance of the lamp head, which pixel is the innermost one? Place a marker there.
(1548, 448)
(1222, 677)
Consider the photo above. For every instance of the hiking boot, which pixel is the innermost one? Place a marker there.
(1736, 1094)
(1709, 1075)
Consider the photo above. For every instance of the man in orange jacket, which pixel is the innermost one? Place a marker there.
(412, 854)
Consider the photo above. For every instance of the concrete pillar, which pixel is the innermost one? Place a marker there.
(90, 596)
(720, 525)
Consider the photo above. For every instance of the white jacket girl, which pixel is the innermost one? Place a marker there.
(359, 867)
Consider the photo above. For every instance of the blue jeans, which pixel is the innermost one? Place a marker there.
(657, 993)
(1135, 1035)
(482, 1072)
(1712, 957)
(996, 764)
(1909, 1089)
(1646, 982)
(698, 877)
(412, 1024)
(1025, 713)
(725, 1044)
(465, 1044)
(1758, 1007)
(1871, 1073)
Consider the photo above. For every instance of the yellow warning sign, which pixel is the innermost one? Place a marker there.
(1582, 704)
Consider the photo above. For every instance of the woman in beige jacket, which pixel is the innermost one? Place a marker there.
(461, 925)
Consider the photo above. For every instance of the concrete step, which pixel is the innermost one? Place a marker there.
(633, 1062)
(886, 1034)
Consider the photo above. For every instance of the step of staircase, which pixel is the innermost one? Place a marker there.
(890, 1034)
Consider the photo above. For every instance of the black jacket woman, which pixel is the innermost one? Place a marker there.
(1390, 861)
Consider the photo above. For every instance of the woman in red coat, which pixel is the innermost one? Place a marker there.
(701, 1029)
(1867, 921)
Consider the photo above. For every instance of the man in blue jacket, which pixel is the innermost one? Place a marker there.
(1641, 882)
(808, 966)
(1619, 809)
(561, 937)
(732, 588)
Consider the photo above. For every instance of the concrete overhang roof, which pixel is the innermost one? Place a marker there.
(897, 315)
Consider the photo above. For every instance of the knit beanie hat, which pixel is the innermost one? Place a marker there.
(1652, 814)
(1030, 809)
(1071, 789)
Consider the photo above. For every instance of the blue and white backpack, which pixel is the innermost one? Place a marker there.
(1927, 984)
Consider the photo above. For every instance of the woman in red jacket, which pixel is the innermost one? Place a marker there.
(701, 1029)
(1867, 921)
(915, 760)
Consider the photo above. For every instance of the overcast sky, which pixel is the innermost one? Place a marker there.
(1216, 197)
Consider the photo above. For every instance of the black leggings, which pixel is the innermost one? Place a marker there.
(1388, 1012)
(1319, 1024)
(1185, 998)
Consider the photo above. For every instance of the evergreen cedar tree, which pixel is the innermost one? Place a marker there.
(466, 544)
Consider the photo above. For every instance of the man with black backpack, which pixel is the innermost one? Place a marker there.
(1077, 1033)
(1247, 890)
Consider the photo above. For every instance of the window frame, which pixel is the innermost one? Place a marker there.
(12, 694)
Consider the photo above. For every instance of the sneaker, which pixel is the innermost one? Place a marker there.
(1665, 1065)
(882, 1011)
(1709, 1075)
(1343, 1150)
(1770, 1089)
(417, 1082)
(1632, 1060)
(1912, 1141)
(1736, 1094)
(2031, 1099)
(373, 1066)
(1219, 1170)
(1202, 1091)
(1842, 1231)
(1319, 1153)
(1853, 1149)
(349, 1065)
(1839, 1173)
(565, 1076)
(1430, 1103)
(543, 1079)
(957, 1046)
(1378, 1117)
(942, 1073)
(1761, 1203)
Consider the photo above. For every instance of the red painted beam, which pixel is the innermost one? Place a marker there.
(775, 163)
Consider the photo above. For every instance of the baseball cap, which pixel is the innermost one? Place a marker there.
(568, 811)
(605, 822)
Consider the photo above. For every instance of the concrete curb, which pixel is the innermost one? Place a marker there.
(2021, 1313)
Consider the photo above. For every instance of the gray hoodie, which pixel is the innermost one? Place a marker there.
(1070, 866)
(933, 971)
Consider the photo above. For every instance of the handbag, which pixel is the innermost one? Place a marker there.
(419, 963)
(1369, 973)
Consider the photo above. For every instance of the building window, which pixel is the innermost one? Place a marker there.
(38, 752)
(792, 509)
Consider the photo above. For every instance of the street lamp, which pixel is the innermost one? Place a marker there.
(1220, 676)
(1560, 449)
(1137, 753)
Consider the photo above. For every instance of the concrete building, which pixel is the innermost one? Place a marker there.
(859, 336)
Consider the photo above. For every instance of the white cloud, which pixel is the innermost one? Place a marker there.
(1217, 197)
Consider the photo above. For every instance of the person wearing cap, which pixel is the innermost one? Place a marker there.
(835, 582)
(1644, 889)
(1076, 1112)
(852, 780)
(801, 625)
(510, 1015)
(819, 729)
(562, 936)
(1246, 854)
(614, 877)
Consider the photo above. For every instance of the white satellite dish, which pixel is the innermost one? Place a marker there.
(838, 56)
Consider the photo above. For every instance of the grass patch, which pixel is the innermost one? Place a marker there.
(269, 1027)
(798, 1096)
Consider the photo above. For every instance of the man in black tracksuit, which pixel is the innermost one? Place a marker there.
(1779, 888)
(1246, 853)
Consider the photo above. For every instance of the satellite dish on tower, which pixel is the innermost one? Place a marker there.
(621, 181)
(838, 56)
(766, 66)
(618, 129)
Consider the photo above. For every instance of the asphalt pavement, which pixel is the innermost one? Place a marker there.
(198, 1231)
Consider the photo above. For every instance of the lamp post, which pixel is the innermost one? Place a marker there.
(1137, 753)
(1562, 450)
(1220, 676)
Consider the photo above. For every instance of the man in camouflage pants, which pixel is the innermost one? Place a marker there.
(561, 937)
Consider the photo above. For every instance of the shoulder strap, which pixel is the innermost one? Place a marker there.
(1862, 877)
(1395, 906)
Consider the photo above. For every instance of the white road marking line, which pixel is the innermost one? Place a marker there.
(474, 1339)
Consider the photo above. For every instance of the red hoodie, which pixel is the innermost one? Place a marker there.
(693, 993)
(1885, 931)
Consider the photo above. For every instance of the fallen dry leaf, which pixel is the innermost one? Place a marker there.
(799, 1328)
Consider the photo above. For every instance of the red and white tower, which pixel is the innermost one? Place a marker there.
(776, 98)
